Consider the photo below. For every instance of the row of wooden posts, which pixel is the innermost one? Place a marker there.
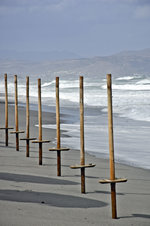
(112, 181)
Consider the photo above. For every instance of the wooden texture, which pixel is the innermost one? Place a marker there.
(16, 103)
(27, 117)
(58, 128)
(59, 149)
(40, 153)
(117, 180)
(6, 111)
(113, 200)
(16, 132)
(40, 121)
(27, 108)
(111, 147)
(110, 128)
(6, 128)
(82, 154)
(40, 141)
(27, 139)
(39, 109)
(82, 166)
(16, 113)
(27, 148)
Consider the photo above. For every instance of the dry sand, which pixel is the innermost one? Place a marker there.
(33, 195)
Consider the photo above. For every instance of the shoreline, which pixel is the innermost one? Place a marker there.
(33, 195)
(52, 121)
(64, 118)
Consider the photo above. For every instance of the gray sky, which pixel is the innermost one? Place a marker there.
(85, 27)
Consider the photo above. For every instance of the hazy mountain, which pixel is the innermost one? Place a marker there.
(35, 56)
(123, 63)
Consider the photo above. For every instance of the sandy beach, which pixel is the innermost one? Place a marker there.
(33, 195)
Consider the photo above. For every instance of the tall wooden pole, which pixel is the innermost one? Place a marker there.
(40, 121)
(6, 111)
(82, 154)
(6, 128)
(27, 139)
(111, 147)
(40, 141)
(27, 116)
(82, 165)
(113, 180)
(58, 128)
(59, 149)
(16, 113)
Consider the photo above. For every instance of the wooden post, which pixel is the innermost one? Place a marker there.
(6, 128)
(40, 121)
(6, 111)
(111, 147)
(59, 149)
(113, 180)
(82, 165)
(27, 116)
(40, 141)
(16, 114)
(27, 139)
(58, 128)
(82, 158)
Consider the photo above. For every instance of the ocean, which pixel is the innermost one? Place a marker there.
(131, 108)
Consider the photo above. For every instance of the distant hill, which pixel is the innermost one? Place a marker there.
(35, 56)
(123, 63)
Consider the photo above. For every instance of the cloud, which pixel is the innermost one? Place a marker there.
(143, 2)
(142, 12)
(33, 3)
(27, 3)
(24, 7)
(14, 6)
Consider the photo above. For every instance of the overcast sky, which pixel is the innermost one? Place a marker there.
(85, 27)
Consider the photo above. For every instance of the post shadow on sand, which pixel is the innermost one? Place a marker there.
(50, 199)
(34, 179)
(75, 175)
(10, 146)
(105, 192)
(139, 215)
(120, 193)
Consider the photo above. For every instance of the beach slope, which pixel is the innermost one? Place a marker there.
(33, 195)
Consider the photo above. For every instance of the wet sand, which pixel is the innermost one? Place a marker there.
(33, 195)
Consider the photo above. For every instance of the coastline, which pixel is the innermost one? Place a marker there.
(33, 195)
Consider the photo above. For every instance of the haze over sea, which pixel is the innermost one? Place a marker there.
(131, 107)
